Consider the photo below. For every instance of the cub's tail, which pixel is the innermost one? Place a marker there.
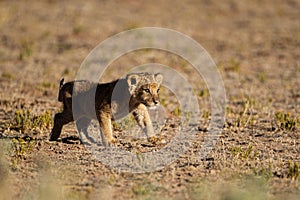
(60, 95)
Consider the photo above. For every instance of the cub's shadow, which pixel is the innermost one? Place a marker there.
(71, 140)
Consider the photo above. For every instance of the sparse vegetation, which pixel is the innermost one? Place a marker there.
(256, 156)
(140, 190)
(247, 153)
(24, 120)
(233, 65)
(264, 172)
(246, 188)
(66, 72)
(125, 123)
(262, 77)
(203, 93)
(177, 111)
(244, 116)
(285, 121)
(143, 189)
(131, 26)
(26, 49)
(20, 149)
(46, 84)
(7, 75)
(77, 29)
(206, 114)
(293, 170)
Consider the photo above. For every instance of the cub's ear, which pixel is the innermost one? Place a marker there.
(132, 80)
(159, 78)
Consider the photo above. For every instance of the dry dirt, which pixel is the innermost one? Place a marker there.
(255, 45)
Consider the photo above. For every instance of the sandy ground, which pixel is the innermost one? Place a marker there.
(255, 46)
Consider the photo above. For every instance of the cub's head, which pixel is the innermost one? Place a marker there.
(144, 87)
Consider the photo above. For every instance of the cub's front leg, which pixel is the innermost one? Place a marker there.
(143, 119)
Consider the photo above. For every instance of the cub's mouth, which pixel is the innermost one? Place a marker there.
(151, 103)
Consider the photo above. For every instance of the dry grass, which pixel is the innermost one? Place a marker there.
(256, 48)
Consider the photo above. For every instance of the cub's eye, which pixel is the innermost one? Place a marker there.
(147, 90)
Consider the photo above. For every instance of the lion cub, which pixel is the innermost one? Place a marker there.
(113, 100)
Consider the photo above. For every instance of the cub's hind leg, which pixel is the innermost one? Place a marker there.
(106, 128)
(82, 124)
(60, 119)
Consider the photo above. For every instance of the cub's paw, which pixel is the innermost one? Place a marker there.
(112, 142)
(153, 139)
(109, 143)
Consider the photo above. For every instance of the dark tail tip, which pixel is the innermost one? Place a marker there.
(61, 83)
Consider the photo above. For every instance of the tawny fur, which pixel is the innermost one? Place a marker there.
(108, 101)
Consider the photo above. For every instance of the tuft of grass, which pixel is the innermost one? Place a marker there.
(75, 194)
(26, 49)
(177, 111)
(248, 187)
(20, 149)
(131, 26)
(24, 120)
(45, 34)
(125, 123)
(46, 84)
(142, 189)
(206, 114)
(285, 121)
(261, 77)
(43, 121)
(7, 75)
(163, 102)
(233, 65)
(245, 116)
(140, 156)
(203, 93)
(293, 170)
(66, 72)
(239, 152)
(77, 29)
(264, 172)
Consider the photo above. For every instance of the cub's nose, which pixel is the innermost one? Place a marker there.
(155, 101)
